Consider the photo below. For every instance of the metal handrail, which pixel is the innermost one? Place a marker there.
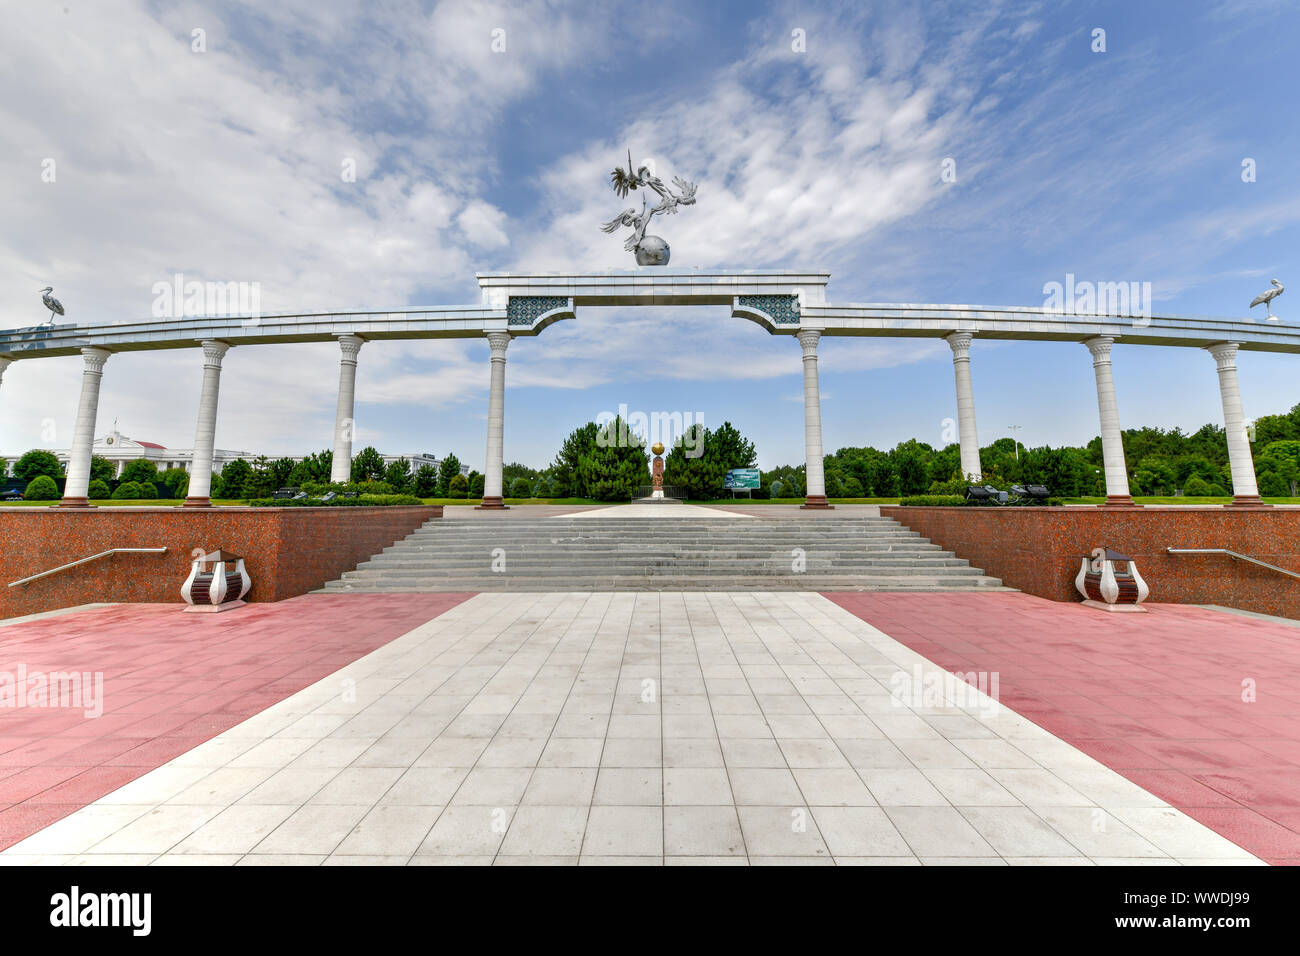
(93, 557)
(1236, 556)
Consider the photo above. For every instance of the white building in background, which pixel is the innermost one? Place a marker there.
(120, 450)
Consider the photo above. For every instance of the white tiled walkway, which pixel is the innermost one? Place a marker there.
(630, 728)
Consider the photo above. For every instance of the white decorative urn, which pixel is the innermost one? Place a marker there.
(218, 581)
(1110, 581)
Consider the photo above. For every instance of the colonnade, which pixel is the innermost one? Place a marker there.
(1245, 489)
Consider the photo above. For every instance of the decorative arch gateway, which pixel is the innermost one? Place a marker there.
(518, 305)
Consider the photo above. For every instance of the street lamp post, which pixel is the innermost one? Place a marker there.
(1014, 429)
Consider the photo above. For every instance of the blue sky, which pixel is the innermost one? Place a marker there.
(1123, 165)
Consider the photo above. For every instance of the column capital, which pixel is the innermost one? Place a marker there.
(959, 342)
(94, 359)
(1100, 348)
(498, 341)
(351, 345)
(1225, 355)
(808, 338)
(213, 351)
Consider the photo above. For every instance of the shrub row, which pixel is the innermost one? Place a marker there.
(367, 500)
(957, 500)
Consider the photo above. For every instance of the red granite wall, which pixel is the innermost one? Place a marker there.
(288, 551)
(1038, 550)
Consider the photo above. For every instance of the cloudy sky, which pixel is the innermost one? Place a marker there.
(817, 133)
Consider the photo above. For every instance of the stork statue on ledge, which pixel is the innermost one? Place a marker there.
(51, 303)
(1268, 297)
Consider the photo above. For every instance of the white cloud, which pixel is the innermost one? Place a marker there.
(483, 225)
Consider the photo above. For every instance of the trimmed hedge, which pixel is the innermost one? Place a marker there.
(42, 488)
(128, 491)
(98, 490)
(367, 500)
(951, 501)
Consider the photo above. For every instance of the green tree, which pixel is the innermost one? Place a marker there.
(513, 470)
(234, 476)
(701, 476)
(1278, 468)
(300, 475)
(1194, 465)
(398, 474)
(730, 447)
(697, 476)
(1063, 471)
(426, 481)
(912, 459)
(616, 465)
(448, 469)
(42, 488)
(1271, 428)
(98, 490)
(521, 487)
(476, 482)
(1154, 475)
(261, 482)
(368, 465)
(102, 469)
(458, 487)
(565, 469)
(140, 470)
(37, 462)
(177, 481)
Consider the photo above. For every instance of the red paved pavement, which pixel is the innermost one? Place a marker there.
(171, 681)
(1156, 697)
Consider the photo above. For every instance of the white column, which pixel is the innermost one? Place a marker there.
(5, 362)
(1245, 489)
(77, 485)
(1112, 442)
(499, 341)
(205, 431)
(814, 476)
(967, 436)
(345, 426)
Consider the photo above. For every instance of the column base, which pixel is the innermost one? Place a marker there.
(82, 504)
(817, 502)
(203, 502)
(1248, 503)
(492, 504)
(1120, 503)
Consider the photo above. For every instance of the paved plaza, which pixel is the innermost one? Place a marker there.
(648, 728)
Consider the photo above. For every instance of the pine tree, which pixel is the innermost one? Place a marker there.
(616, 465)
(448, 469)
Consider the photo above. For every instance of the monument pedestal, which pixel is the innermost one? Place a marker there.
(817, 502)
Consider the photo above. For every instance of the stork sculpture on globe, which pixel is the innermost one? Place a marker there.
(649, 250)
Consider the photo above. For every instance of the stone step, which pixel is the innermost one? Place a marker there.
(662, 554)
(664, 547)
(664, 583)
(403, 574)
